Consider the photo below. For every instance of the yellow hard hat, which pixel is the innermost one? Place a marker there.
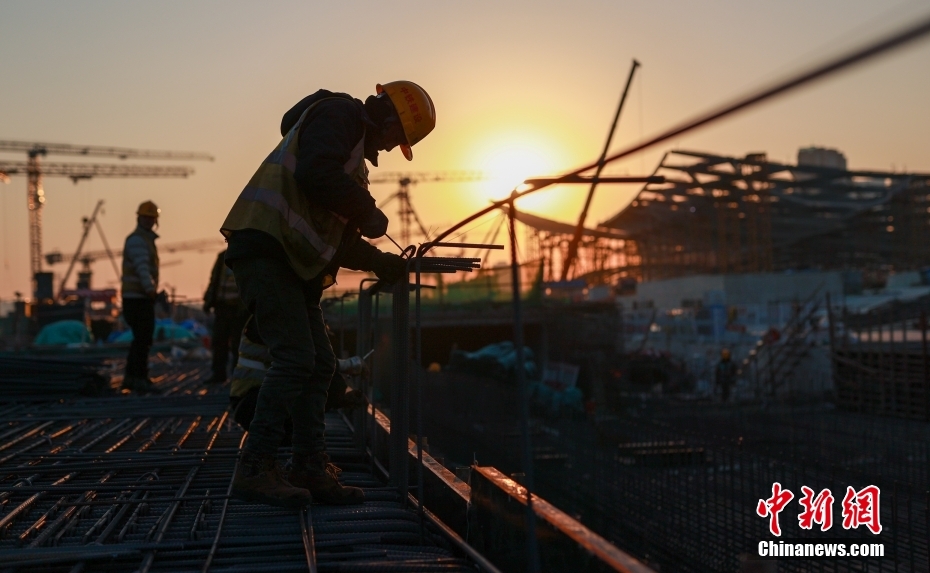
(148, 209)
(415, 109)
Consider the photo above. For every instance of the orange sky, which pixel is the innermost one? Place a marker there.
(520, 87)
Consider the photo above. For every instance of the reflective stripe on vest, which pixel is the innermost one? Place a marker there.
(273, 203)
(253, 364)
(254, 360)
(276, 201)
(254, 352)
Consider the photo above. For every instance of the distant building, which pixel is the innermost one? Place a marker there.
(822, 157)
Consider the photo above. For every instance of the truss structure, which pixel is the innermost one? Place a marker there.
(717, 214)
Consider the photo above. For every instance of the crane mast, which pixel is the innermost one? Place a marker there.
(404, 181)
(35, 198)
(34, 170)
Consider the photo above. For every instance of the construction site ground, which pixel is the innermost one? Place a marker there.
(140, 483)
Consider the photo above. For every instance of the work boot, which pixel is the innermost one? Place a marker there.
(149, 387)
(215, 380)
(260, 479)
(321, 478)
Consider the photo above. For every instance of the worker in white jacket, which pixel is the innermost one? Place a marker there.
(140, 286)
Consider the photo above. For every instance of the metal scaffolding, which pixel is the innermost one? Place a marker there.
(718, 214)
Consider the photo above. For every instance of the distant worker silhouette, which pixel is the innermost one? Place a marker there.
(725, 375)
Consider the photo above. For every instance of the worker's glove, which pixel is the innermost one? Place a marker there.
(375, 225)
(388, 266)
(352, 366)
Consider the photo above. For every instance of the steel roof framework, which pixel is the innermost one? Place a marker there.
(718, 214)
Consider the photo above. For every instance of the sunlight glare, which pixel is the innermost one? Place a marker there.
(509, 160)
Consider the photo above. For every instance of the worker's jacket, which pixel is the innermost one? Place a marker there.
(140, 264)
(273, 203)
(222, 288)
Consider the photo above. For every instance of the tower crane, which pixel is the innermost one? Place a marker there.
(34, 170)
(84, 276)
(405, 180)
(87, 257)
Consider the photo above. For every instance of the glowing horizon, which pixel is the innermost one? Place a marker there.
(513, 105)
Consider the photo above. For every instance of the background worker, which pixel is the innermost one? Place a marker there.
(725, 374)
(140, 288)
(254, 361)
(304, 206)
(255, 357)
(229, 317)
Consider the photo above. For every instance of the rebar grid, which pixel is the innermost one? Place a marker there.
(676, 483)
(687, 482)
(130, 483)
(689, 496)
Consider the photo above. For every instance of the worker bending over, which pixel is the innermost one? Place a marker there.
(306, 206)
(254, 361)
(140, 287)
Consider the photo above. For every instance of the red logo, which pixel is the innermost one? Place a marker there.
(859, 508)
(772, 506)
(816, 510)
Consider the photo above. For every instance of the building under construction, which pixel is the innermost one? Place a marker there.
(717, 214)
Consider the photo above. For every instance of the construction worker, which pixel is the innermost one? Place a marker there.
(140, 288)
(229, 317)
(306, 206)
(254, 361)
(725, 374)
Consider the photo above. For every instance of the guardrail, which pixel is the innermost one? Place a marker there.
(487, 511)
(499, 524)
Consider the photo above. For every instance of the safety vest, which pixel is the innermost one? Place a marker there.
(131, 282)
(254, 360)
(273, 203)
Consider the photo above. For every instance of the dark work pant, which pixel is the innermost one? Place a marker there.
(290, 320)
(229, 320)
(139, 314)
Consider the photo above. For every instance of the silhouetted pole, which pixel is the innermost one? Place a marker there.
(572, 255)
(532, 549)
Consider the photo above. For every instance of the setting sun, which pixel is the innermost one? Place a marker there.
(508, 159)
